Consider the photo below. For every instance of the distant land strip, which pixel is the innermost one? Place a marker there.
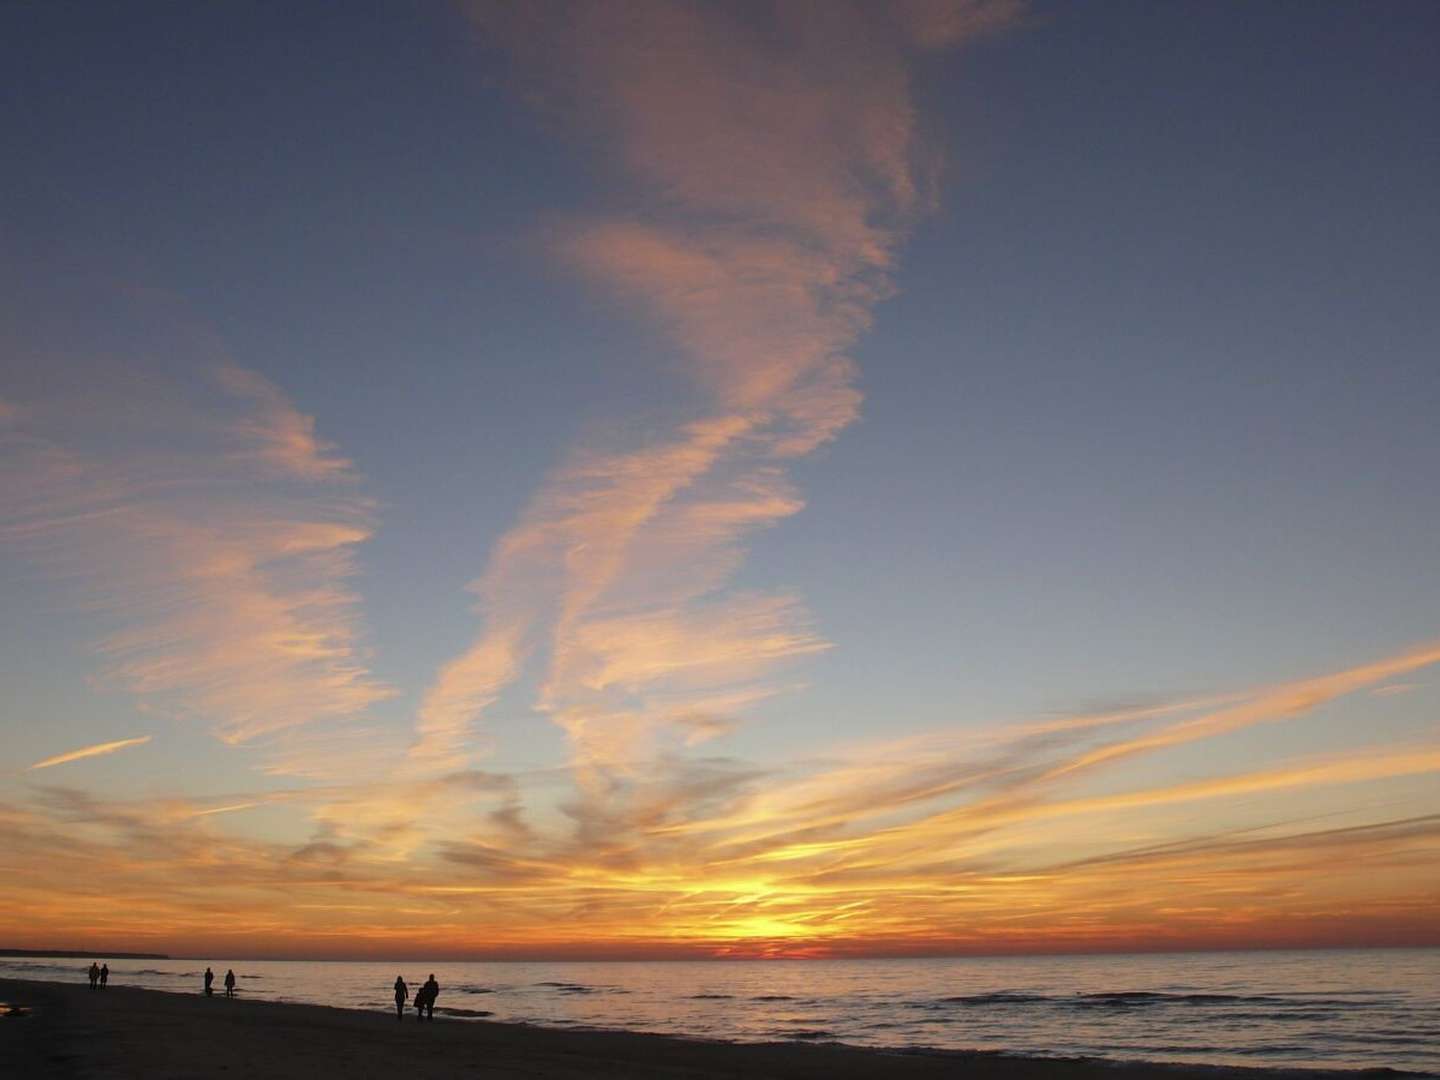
(71, 954)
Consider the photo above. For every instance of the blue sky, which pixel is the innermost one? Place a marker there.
(1149, 383)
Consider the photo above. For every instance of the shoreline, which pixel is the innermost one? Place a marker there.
(122, 1031)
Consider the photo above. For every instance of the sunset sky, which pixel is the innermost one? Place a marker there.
(682, 479)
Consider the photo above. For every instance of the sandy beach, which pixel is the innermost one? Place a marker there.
(68, 1030)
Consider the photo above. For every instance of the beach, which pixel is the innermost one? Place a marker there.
(69, 1030)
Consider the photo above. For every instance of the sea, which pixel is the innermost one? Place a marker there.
(1326, 1009)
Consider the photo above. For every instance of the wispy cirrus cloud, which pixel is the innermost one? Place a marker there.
(97, 750)
(192, 513)
(275, 433)
(919, 845)
(1394, 689)
(1018, 779)
(208, 527)
(781, 163)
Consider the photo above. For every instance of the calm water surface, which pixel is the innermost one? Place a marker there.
(1339, 1009)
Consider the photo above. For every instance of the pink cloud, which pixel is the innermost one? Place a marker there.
(275, 433)
(777, 152)
(217, 576)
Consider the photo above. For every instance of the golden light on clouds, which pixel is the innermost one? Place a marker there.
(98, 750)
(208, 546)
(908, 847)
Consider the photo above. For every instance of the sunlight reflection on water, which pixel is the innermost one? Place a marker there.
(1350, 1008)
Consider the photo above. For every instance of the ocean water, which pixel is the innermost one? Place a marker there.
(1336, 1009)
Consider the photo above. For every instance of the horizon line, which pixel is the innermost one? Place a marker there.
(76, 954)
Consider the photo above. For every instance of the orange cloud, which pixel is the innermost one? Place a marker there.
(1277, 704)
(711, 858)
(782, 166)
(98, 750)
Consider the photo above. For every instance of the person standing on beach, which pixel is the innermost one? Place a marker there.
(104, 975)
(230, 983)
(431, 990)
(402, 995)
(94, 974)
(209, 978)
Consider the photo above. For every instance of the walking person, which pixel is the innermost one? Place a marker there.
(94, 974)
(230, 983)
(431, 990)
(209, 982)
(104, 975)
(402, 995)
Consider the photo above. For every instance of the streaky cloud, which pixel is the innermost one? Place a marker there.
(930, 844)
(783, 164)
(185, 505)
(277, 434)
(97, 750)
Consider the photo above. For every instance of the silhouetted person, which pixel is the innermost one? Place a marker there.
(94, 974)
(402, 995)
(420, 1004)
(209, 979)
(431, 990)
(104, 975)
(229, 983)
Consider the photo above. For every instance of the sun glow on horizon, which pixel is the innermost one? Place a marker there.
(471, 546)
(931, 852)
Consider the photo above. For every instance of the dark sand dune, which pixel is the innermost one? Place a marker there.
(72, 1031)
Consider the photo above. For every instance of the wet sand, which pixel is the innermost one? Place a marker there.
(72, 1031)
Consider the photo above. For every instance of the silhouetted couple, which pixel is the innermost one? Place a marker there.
(229, 982)
(424, 998)
(99, 975)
